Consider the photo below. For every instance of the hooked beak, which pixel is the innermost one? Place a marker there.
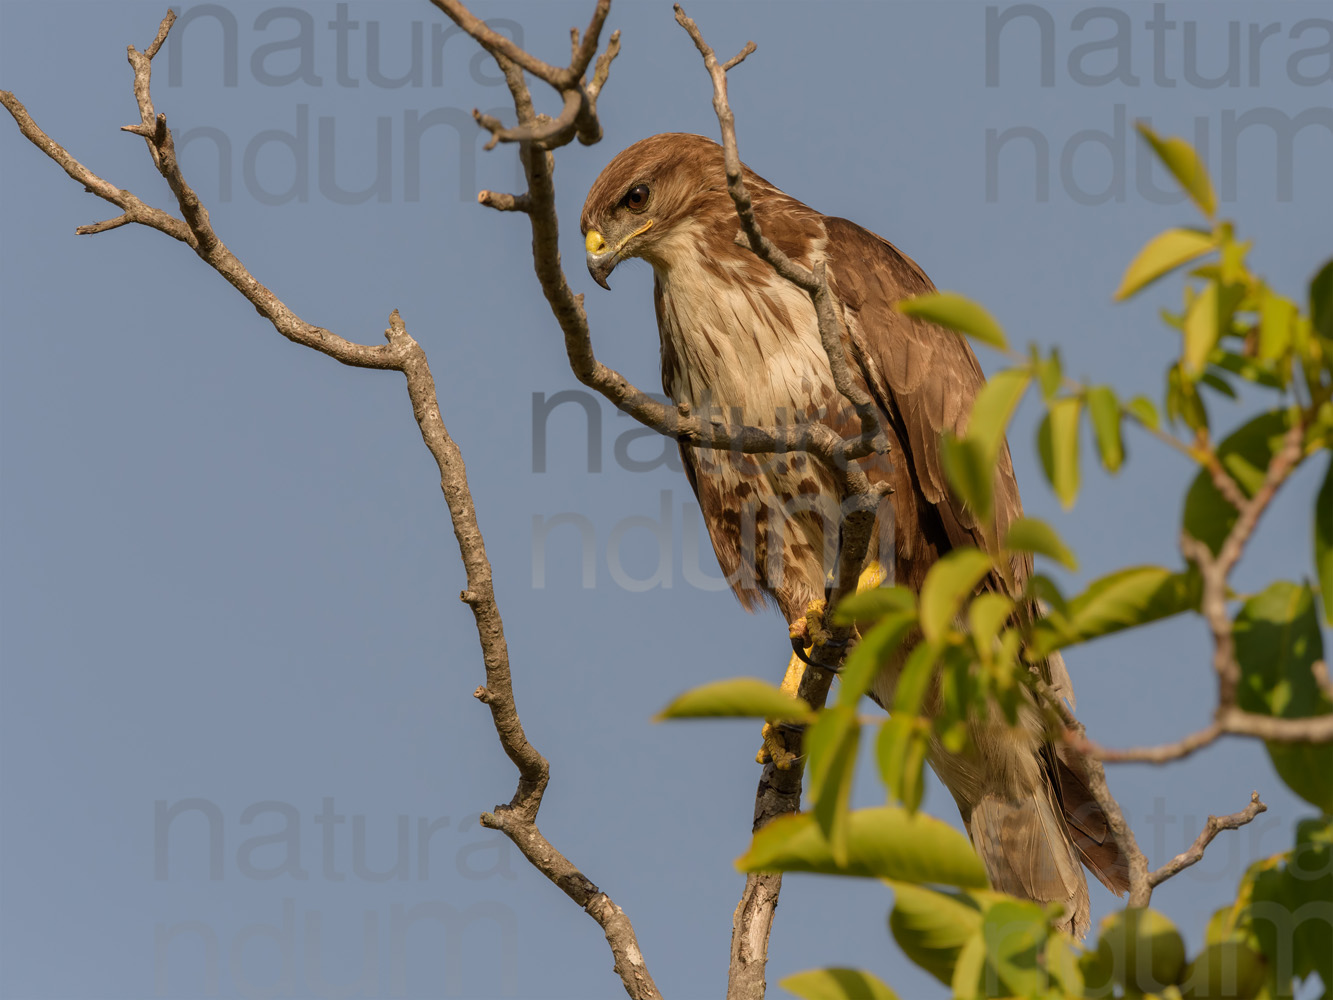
(602, 257)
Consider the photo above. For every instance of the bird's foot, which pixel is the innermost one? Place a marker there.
(809, 630)
(810, 634)
(776, 736)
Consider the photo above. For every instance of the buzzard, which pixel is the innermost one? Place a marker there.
(740, 342)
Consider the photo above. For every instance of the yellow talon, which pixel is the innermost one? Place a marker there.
(814, 623)
(811, 629)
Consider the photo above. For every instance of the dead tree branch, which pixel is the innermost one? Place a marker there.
(403, 354)
(1214, 826)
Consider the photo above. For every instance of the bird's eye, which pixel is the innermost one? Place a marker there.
(637, 199)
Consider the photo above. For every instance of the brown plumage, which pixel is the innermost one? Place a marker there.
(741, 342)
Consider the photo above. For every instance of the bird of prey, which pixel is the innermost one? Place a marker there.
(741, 343)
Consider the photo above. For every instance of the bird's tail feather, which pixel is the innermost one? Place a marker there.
(1029, 852)
(1087, 823)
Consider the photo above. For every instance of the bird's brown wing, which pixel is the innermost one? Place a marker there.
(924, 377)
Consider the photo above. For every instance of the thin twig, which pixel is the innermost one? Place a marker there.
(504, 202)
(1222, 479)
(1214, 826)
(1321, 678)
(1216, 571)
(1154, 754)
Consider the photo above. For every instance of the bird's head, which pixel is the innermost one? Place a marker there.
(644, 202)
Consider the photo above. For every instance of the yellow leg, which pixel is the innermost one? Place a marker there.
(812, 627)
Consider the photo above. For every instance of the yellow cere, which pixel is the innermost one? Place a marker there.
(595, 242)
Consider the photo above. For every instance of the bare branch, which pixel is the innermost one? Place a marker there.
(1213, 607)
(1230, 722)
(603, 67)
(1222, 480)
(1275, 729)
(548, 133)
(739, 57)
(134, 208)
(401, 353)
(498, 45)
(1156, 754)
(1211, 829)
(1320, 670)
(102, 227)
(162, 30)
(578, 117)
(504, 202)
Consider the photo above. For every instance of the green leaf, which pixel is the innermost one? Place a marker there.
(986, 615)
(1183, 401)
(1285, 916)
(933, 927)
(949, 582)
(1216, 382)
(956, 312)
(1057, 443)
(1247, 368)
(1145, 412)
(1245, 454)
(1223, 969)
(1164, 252)
(914, 678)
(1044, 589)
(1323, 540)
(901, 754)
(1321, 302)
(1277, 316)
(1123, 599)
(1050, 373)
(837, 984)
(993, 409)
(1104, 409)
(1203, 327)
(1143, 950)
(1277, 641)
(970, 476)
(1015, 932)
(1028, 534)
(885, 842)
(1061, 959)
(740, 697)
(871, 653)
(967, 981)
(831, 743)
(873, 604)
(904, 737)
(1180, 158)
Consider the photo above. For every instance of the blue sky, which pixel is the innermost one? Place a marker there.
(229, 576)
